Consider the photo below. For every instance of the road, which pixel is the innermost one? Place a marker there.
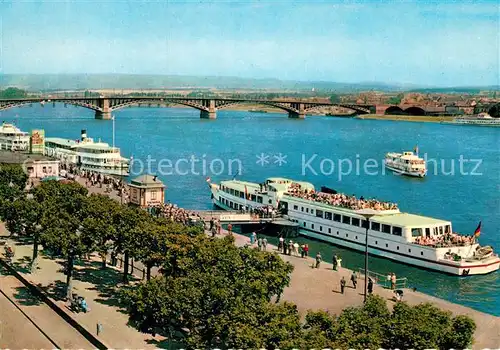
(28, 323)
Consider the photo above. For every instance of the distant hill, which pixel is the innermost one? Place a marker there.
(47, 82)
(50, 82)
(473, 90)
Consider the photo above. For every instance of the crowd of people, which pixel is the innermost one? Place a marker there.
(175, 214)
(446, 240)
(340, 199)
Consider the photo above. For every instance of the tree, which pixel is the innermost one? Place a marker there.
(334, 98)
(98, 229)
(12, 92)
(62, 214)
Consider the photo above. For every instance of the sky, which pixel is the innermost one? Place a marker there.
(446, 43)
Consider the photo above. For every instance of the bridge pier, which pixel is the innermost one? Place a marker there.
(102, 115)
(208, 115)
(296, 115)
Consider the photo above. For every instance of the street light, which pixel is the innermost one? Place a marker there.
(367, 214)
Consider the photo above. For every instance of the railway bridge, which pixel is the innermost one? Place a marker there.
(208, 107)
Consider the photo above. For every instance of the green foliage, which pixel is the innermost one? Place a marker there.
(334, 98)
(12, 92)
(395, 100)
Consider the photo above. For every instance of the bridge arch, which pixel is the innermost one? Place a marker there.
(121, 103)
(415, 111)
(394, 110)
(79, 103)
(287, 107)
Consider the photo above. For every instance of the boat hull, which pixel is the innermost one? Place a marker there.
(449, 267)
(404, 172)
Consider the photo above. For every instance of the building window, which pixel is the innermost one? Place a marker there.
(346, 219)
(375, 226)
(153, 195)
(336, 217)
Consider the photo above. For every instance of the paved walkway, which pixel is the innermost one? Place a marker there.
(58, 333)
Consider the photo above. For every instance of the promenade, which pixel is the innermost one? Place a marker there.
(310, 288)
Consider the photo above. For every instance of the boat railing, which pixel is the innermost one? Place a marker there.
(383, 280)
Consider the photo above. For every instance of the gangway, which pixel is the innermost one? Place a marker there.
(237, 217)
(383, 280)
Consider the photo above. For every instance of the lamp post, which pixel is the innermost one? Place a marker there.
(367, 214)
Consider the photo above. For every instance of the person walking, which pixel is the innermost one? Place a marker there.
(259, 243)
(354, 279)
(302, 252)
(393, 281)
(290, 247)
(370, 286)
(334, 262)
(296, 249)
(253, 238)
(318, 260)
(342, 285)
(306, 250)
(264, 244)
(280, 243)
(230, 229)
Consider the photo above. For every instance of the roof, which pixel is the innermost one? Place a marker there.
(145, 181)
(240, 185)
(8, 157)
(61, 141)
(406, 219)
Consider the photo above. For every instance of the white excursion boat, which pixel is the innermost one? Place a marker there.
(406, 163)
(337, 218)
(88, 155)
(482, 119)
(13, 139)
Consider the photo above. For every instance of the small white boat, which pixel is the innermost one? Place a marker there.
(406, 163)
(482, 119)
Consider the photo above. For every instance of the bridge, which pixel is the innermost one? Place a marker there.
(208, 107)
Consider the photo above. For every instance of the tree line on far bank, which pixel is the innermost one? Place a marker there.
(209, 293)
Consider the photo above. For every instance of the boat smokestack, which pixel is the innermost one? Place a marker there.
(84, 134)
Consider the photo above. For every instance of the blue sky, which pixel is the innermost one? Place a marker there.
(427, 43)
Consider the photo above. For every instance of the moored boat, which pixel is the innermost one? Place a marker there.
(88, 155)
(12, 138)
(337, 218)
(482, 119)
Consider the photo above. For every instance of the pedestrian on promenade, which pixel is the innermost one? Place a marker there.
(354, 279)
(99, 329)
(230, 228)
(334, 262)
(306, 250)
(370, 286)
(259, 243)
(393, 281)
(285, 246)
(318, 260)
(388, 282)
(280, 243)
(253, 237)
(264, 243)
(296, 249)
(290, 247)
(342, 285)
(302, 251)
(212, 224)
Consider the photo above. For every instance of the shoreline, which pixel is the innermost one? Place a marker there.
(406, 118)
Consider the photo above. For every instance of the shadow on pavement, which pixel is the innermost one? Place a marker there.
(24, 296)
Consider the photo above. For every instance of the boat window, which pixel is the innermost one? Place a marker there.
(321, 228)
(397, 231)
(364, 224)
(295, 207)
(304, 224)
(386, 228)
(375, 226)
(336, 217)
(447, 229)
(242, 195)
(301, 208)
(312, 211)
(319, 213)
(307, 210)
(346, 219)
(329, 230)
(312, 225)
(231, 191)
(259, 199)
(328, 215)
(416, 232)
(254, 198)
(440, 230)
(435, 230)
(355, 222)
(427, 232)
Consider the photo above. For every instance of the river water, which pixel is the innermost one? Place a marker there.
(462, 185)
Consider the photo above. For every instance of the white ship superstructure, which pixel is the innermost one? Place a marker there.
(88, 155)
(482, 119)
(13, 139)
(406, 163)
(337, 218)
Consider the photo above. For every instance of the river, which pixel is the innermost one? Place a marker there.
(462, 185)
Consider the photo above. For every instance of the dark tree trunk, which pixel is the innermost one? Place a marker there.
(125, 268)
(69, 275)
(149, 266)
